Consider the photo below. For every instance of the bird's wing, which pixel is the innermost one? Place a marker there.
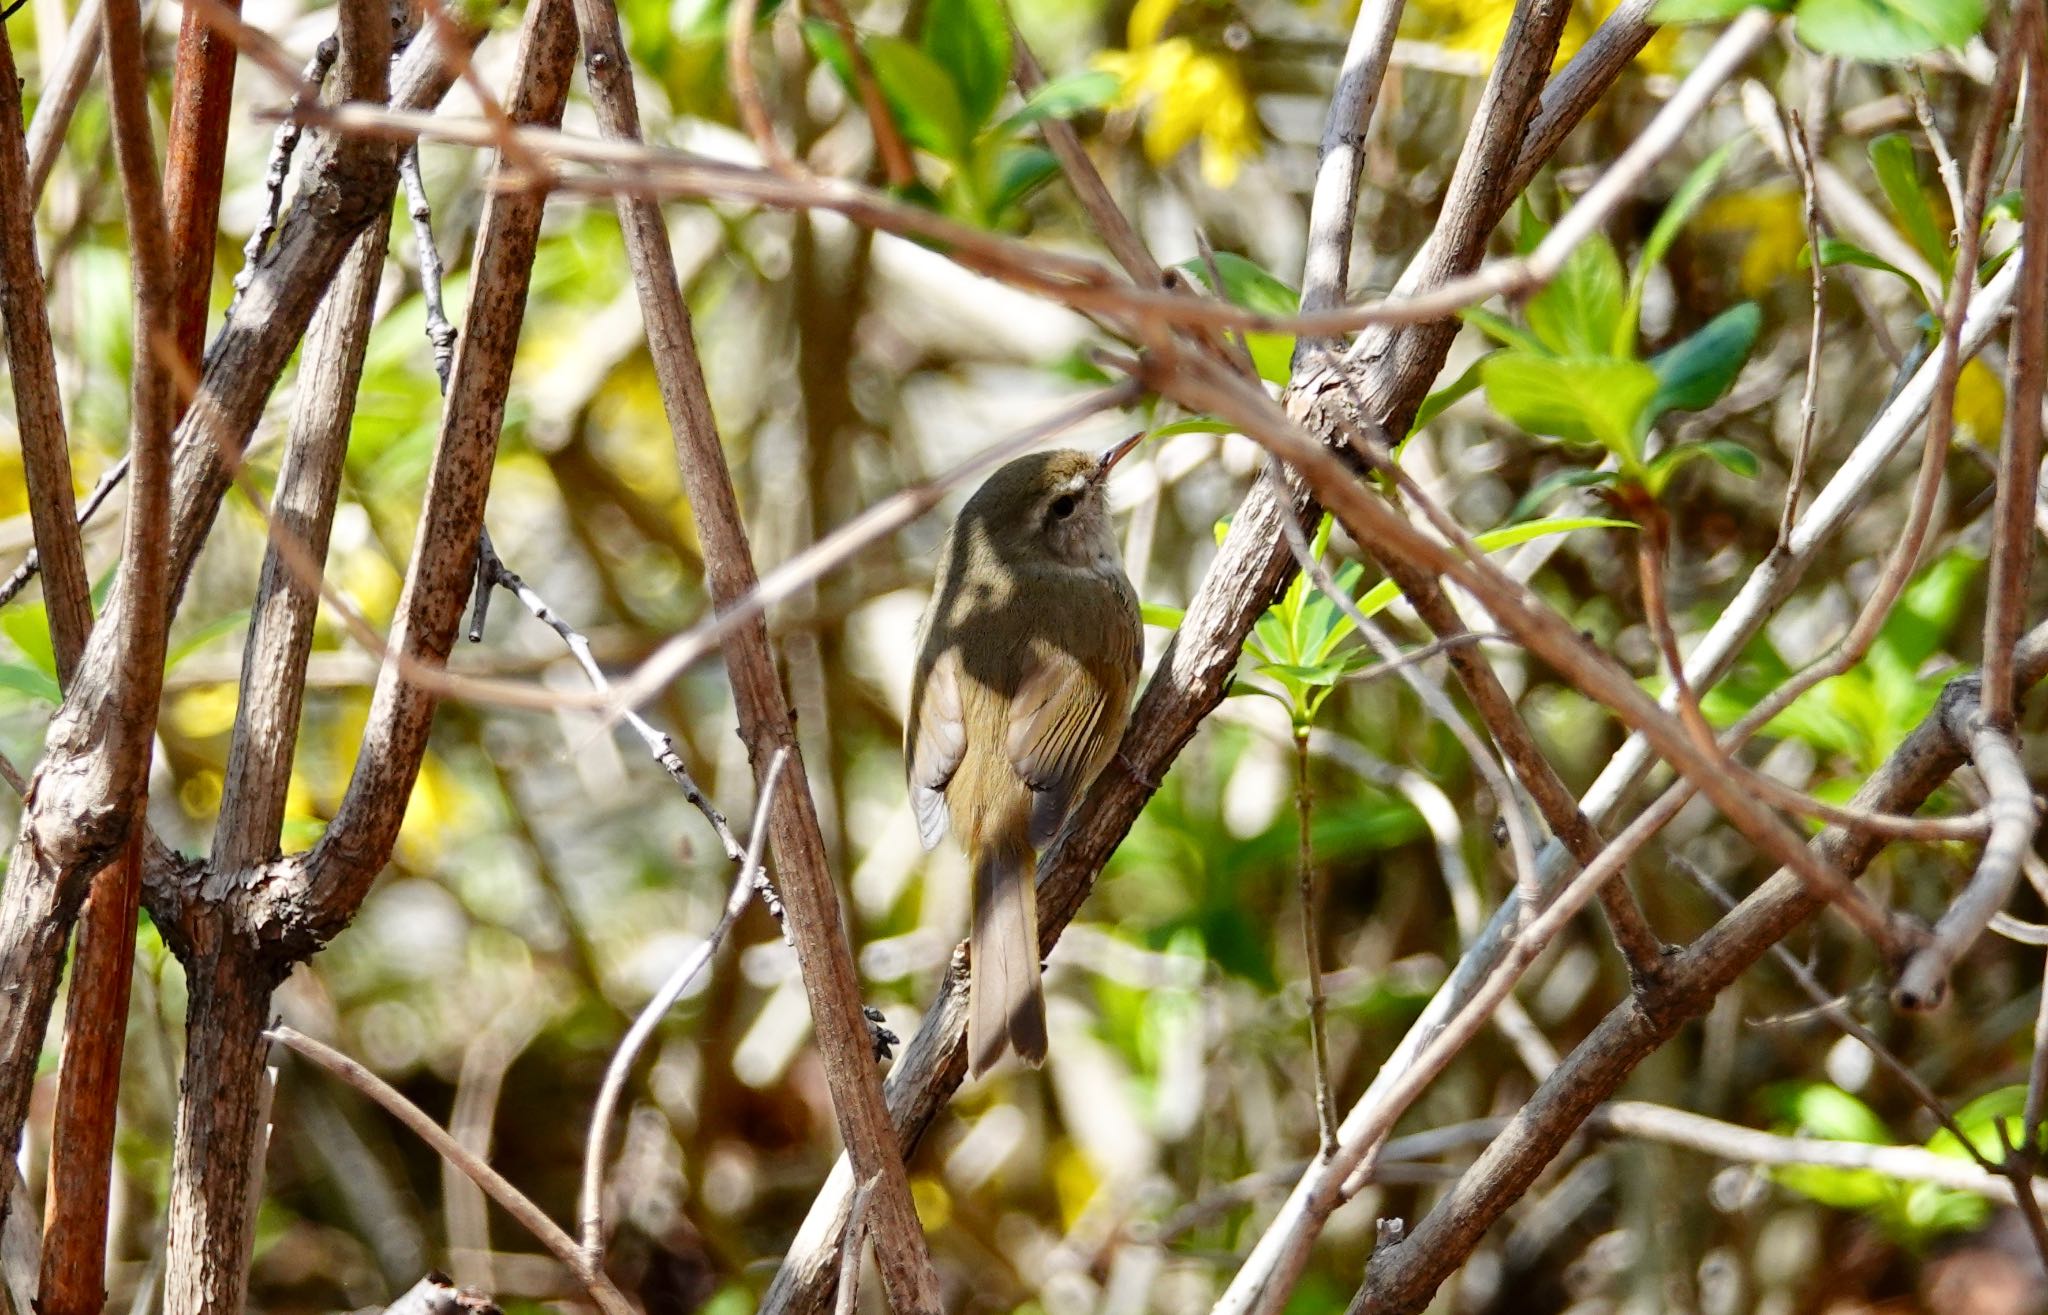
(1053, 742)
(938, 740)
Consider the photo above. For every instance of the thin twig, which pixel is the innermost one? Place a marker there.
(63, 87)
(1923, 981)
(2019, 455)
(746, 87)
(493, 573)
(1795, 483)
(1111, 224)
(1312, 944)
(31, 564)
(641, 171)
(896, 162)
(439, 331)
(591, 1206)
(282, 146)
(514, 1202)
(1830, 1007)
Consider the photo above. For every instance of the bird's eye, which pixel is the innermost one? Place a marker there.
(1063, 506)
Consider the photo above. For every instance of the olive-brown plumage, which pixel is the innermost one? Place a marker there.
(1026, 660)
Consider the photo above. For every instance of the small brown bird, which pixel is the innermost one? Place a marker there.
(1026, 659)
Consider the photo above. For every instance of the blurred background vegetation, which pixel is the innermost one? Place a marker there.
(549, 875)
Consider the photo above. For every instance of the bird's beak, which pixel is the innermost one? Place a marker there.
(1116, 454)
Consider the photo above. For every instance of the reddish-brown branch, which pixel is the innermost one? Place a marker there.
(89, 1091)
(202, 91)
(38, 407)
(96, 1013)
(2019, 456)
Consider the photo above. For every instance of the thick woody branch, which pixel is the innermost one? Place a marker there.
(96, 1013)
(809, 894)
(217, 1146)
(94, 773)
(280, 640)
(437, 588)
(347, 183)
(1340, 163)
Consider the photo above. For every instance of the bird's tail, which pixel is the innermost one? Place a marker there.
(1005, 1003)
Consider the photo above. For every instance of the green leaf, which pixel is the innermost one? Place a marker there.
(1837, 251)
(1697, 371)
(1677, 211)
(1543, 490)
(1898, 173)
(1726, 453)
(28, 629)
(707, 25)
(1064, 98)
(1819, 1109)
(1020, 171)
(1980, 1120)
(920, 94)
(1381, 595)
(1158, 614)
(1194, 425)
(1578, 313)
(1246, 285)
(1435, 404)
(1696, 11)
(1594, 402)
(1502, 331)
(1305, 674)
(1887, 30)
(970, 40)
(25, 679)
(1530, 227)
(1514, 536)
(2006, 205)
(234, 623)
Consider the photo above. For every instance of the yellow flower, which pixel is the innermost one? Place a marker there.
(1980, 404)
(1775, 225)
(204, 711)
(1184, 92)
(1476, 27)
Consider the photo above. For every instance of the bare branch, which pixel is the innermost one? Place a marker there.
(438, 582)
(2019, 456)
(1111, 224)
(514, 1202)
(38, 406)
(1402, 1278)
(765, 724)
(1923, 982)
(63, 87)
(280, 638)
(590, 1208)
(1340, 165)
